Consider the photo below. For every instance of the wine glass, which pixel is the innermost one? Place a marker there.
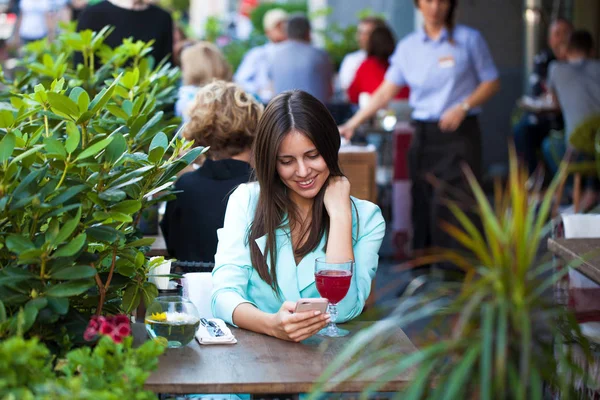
(333, 281)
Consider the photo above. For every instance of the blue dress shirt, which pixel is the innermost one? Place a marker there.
(235, 281)
(441, 74)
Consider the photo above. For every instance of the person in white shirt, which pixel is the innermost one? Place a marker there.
(38, 19)
(352, 61)
(252, 74)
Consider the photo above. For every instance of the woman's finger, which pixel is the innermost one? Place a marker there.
(297, 325)
(309, 331)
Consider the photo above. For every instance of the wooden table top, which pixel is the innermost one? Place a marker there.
(586, 251)
(259, 364)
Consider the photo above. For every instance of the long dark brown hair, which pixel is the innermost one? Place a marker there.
(449, 22)
(290, 111)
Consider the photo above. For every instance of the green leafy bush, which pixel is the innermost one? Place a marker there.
(109, 371)
(83, 150)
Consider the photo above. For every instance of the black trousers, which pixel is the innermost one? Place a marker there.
(441, 155)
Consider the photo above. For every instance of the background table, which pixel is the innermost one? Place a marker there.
(585, 250)
(258, 364)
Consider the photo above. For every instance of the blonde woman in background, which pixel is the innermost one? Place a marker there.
(201, 63)
(225, 118)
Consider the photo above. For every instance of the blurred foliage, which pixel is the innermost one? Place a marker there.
(110, 371)
(499, 334)
(176, 6)
(83, 151)
(340, 41)
(257, 15)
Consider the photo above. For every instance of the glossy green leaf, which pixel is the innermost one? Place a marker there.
(73, 137)
(68, 228)
(55, 148)
(68, 289)
(94, 148)
(72, 247)
(103, 233)
(75, 272)
(64, 106)
(6, 118)
(117, 111)
(127, 206)
(68, 194)
(7, 145)
(113, 195)
(156, 118)
(149, 293)
(142, 242)
(131, 298)
(27, 153)
(2, 312)
(116, 148)
(81, 97)
(18, 244)
(103, 97)
(59, 305)
(191, 155)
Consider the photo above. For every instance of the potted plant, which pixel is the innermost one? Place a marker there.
(497, 335)
(83, 151)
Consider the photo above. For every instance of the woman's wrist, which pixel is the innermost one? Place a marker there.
(340, 214)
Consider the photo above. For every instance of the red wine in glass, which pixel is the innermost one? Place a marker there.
(333, 280)
(333, 284)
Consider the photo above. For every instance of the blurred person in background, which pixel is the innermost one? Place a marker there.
(371, 72)
(77, 7)
(253, 73)
(451, 74)
(575, 87)
(180, 42)
(353, 61)
(37, 20)
(201, 63)
(532, 128)
(131, 18)
(225, 118)
(296, 64)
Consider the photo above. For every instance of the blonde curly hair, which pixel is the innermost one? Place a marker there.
(223, 117)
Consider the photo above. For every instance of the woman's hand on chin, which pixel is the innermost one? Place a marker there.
(295, 327)
(337, 196)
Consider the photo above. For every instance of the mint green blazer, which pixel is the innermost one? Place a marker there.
(235, 281)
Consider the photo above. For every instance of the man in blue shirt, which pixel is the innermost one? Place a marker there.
(296, 64)
(252, 74)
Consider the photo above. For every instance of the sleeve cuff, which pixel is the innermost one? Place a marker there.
(225, 303)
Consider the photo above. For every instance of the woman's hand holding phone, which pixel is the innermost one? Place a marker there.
(295, 327)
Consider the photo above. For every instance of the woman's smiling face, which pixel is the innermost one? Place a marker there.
(301, 167)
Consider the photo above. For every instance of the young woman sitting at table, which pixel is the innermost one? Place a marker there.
(299, 209)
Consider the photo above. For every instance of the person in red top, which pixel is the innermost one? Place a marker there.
(371, 72)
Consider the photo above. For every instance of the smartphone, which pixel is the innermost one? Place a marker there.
(312, 304)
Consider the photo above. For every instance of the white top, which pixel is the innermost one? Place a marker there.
(349, 66)
(33, 17)
(253, 73)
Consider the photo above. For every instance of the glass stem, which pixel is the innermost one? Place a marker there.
(333, 313)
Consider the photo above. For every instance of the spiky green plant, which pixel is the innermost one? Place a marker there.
(504, 333)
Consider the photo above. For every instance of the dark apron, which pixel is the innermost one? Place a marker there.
(442, 155)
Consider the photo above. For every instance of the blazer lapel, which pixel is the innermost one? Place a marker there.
(286, 266)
